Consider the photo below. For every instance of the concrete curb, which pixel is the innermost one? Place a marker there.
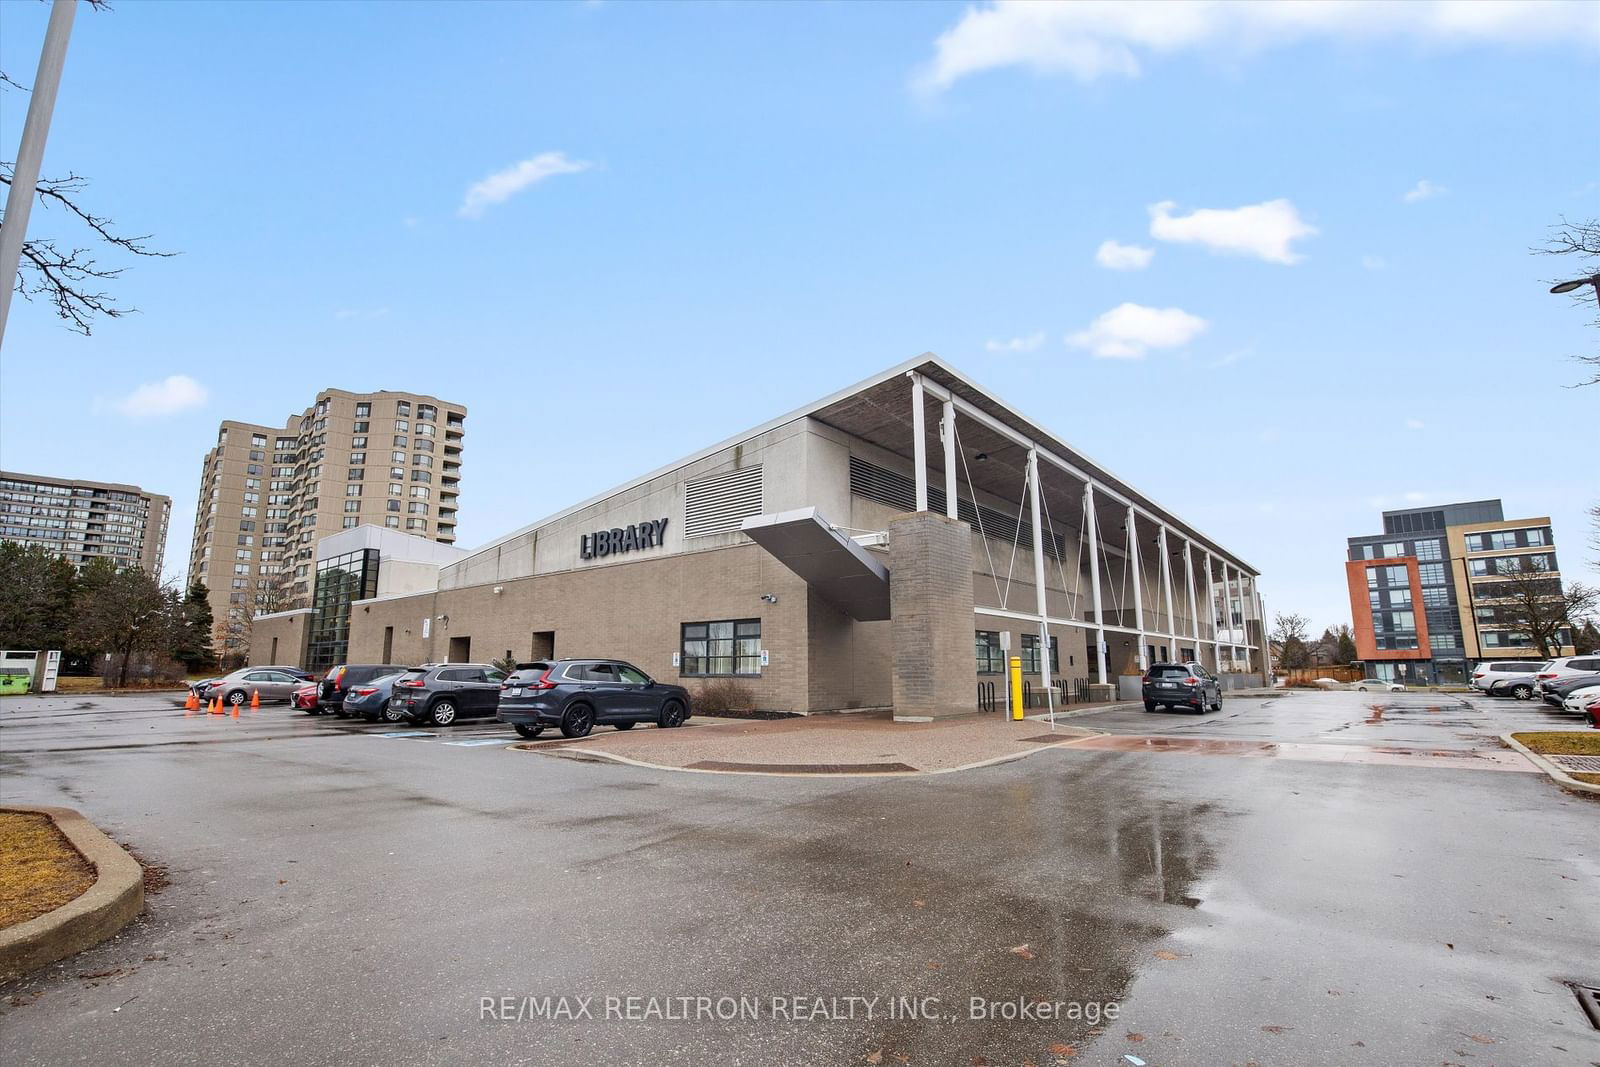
(597, 753)
(115, 899)
(1566, 780)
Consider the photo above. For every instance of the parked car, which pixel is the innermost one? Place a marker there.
(305, 698)
(1182, 685)
(579, 694)
(1487, 672)
(1556, 692)
(1565, 667)
(1578, 700)
(237, 688)
(1378, 683)
(370, 700)
(1516, 678)
(441, 693)
(338, 681)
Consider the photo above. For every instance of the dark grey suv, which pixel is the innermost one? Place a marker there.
(441, 693)
(1186, 685)
(578, 694)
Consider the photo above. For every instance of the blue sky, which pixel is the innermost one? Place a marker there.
(726, 211)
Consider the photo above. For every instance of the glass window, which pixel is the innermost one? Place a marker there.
(1030, 655)
(352, 490)
(990, 659)
(631, 676)
(361, 427)
(392, 521)
(363, 410)
(1400, 597)
(1428, 549)
(729, 647)
(1394, 548)
(1474, 542)
(403, 407)
(1431, 573)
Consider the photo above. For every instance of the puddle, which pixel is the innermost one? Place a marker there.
(1065, 897)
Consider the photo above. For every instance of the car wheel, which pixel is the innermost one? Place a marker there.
(1149, 705)
(525, 730)
(393, 714)
(309, 711)
(443, 713)
(1200, 707)
(578, 721)
(1522, 692)
(671, 715)
(622, 725)
(237, 697)
(1218, 705)
(1361, 689)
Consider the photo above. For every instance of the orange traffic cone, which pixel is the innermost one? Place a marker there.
(191, 701)
(236, 711)
(255, 700)
(216, 706)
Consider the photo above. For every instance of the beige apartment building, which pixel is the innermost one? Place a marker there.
(82, 520)
(268, 494)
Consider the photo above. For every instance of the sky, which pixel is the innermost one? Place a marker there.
(1268, 263)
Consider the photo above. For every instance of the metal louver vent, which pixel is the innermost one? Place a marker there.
(721, 504)
(896, 490)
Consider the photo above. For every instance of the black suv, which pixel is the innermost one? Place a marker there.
(441, 693)
(339, 680)
(1187, 685)
(577, 694)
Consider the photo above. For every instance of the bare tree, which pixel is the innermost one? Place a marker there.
(1533, 603)
(1289, 634)
(1580, 241)
(63, 272)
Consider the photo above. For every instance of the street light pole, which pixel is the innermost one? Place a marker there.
(30, 153)
(1567, 287)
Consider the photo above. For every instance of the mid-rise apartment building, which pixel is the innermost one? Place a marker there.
(82, 520)
(1431, 595)
(268, 494)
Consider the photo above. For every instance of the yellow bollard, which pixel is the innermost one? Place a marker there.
(1016, 687)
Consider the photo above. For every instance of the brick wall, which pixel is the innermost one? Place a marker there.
(930, 593)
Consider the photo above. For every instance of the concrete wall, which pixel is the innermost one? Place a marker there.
(633, 611)
(291, 631)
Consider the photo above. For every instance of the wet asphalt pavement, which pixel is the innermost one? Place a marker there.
(342, 897)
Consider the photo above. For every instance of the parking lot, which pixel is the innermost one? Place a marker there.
(344, 892)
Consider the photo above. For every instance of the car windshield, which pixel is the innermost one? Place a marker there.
(1169, 672)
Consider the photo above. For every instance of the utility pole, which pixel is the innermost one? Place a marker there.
(30, 153)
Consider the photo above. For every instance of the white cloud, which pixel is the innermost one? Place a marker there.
(1114, 256)
(361, 313)
(1423, 190)
(502, 185)
(169, 396)
(1128, 331)
(1374, 263)
(1415, 424)
(1092, 40)
(1017, 344)
(1233, 357)
(1264, 230)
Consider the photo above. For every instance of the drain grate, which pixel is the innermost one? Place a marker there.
(1589, 1001)
(1576, 763)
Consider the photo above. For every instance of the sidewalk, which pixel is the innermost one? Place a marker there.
(852, 744)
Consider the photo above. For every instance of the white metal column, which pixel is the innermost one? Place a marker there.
(1233, 650)
(1091, 524)
(919, 442)
(1211, 602)
(1038, 580)
(1194, 610)
(1138, 587)
(1166, 591)
(947, 430)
